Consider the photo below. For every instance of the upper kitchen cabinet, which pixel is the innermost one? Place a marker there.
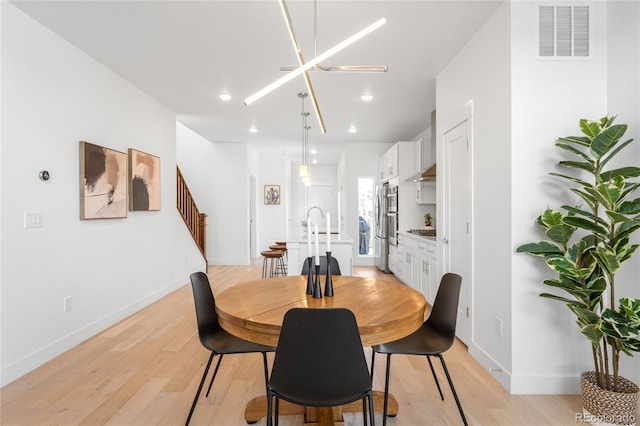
(425, 191)
(389, 164)
(425, 165)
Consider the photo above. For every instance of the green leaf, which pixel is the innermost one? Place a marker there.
(627, 228)
(561, 144)
(551, 217)
(586, 225)
(590, 128)
(558, 298)
(560, 233)
(613, 153)
(607, 139)
(586, 214)
(626, 252)
(578, 140)
(624, 172)
(629, 188)
(616, 217)
(585, 316)
(629, 207)
(571, 178)
(607, 259)
(587, 197)
(542, 248)
(587, 297)
(589, 167)
(593, 334)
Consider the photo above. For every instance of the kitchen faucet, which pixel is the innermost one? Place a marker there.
(304, 222)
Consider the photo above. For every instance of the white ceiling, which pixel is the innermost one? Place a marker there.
(185, 53)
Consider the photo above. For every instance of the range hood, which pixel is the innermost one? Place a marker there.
(426, 175)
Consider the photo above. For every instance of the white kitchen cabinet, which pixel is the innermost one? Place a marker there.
(411, 272)
(425, 157)
(388, 164)
(400, 260)
(427, 275)
(393, 259)
(433, 281)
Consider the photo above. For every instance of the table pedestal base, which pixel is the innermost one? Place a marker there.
(257, 409)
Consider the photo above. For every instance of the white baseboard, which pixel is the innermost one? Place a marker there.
(497, 371)
(46, 353)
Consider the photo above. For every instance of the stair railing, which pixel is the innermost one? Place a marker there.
(195, 221)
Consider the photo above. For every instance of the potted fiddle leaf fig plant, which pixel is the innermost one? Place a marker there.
(586, 246)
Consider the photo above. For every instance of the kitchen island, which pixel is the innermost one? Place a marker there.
(298, 249)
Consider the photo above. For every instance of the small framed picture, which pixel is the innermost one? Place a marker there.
(272, 195)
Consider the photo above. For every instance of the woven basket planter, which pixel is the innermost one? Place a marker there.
(616, 408)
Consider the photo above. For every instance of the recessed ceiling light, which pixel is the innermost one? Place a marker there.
(315, 161)
(313, 151)
(352, 129)
(252, 129)
(366, 97)
(224, 96)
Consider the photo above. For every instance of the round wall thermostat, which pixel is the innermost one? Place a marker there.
(44, 175)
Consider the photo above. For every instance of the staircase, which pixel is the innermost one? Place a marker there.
(195, 221)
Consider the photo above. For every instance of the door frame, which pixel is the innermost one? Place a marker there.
(464, 114)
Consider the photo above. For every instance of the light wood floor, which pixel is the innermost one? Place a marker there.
(145, 371)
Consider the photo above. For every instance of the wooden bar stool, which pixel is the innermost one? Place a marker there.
(275, 264)
(283, 248)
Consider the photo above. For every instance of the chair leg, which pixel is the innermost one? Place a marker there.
(269, 408)
(364, 411)
(435, 377)
(266, 371)
(195, 400)
(453, 390)
(386, 391)
(264, 267)
(373, 361)
(277, 410)
(215, 372)
(372, 414)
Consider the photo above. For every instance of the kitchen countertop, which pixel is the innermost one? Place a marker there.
(299, 235)
(418, 236)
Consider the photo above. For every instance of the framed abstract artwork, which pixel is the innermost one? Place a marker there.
(272, 194)
(103, 182)
(144, 181)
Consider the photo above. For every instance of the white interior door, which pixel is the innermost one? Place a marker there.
(457, 227)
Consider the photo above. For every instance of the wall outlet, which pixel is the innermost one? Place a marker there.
(67, 304)
(498, 327)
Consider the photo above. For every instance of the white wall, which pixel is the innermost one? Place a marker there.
(52, 97)
(480, 72)
(549, 98)
(272, 219)
(623, 99)
(196, 156)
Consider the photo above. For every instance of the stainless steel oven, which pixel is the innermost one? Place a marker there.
(392, 226)
(392, 199)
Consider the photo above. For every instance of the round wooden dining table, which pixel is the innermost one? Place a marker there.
(385, 311)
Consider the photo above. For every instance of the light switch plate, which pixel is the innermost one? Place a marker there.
(33, 220)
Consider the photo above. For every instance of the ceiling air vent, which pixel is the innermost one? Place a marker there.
(564, 31)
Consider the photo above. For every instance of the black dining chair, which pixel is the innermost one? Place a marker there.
(335, 267)
(435, 336)
(319, 362)
(213, 337)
